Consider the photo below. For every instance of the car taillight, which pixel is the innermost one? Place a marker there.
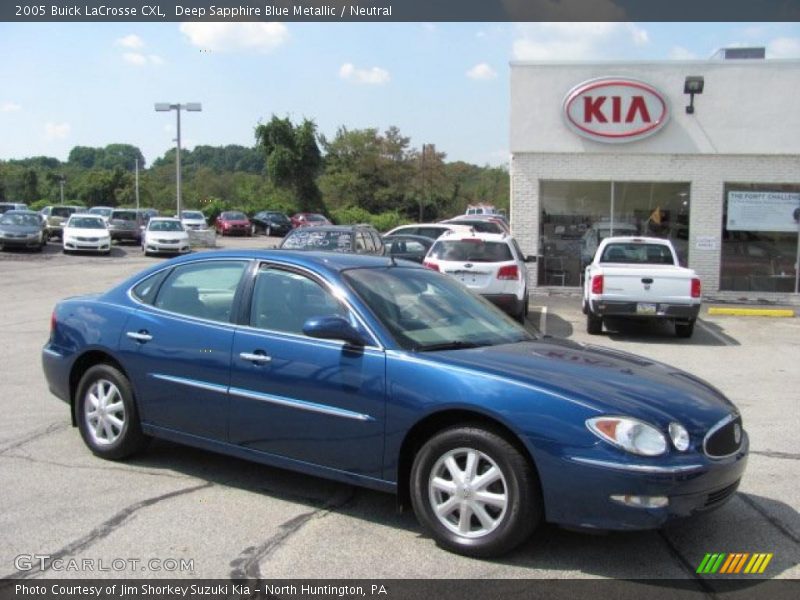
(53, 323)
(597, 284)
(508, 272)
(430, 265)
(696, 288)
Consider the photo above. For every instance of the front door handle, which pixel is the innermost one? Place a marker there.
(139, 336)
(256, 358)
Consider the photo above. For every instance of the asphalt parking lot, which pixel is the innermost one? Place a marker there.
(233, 518)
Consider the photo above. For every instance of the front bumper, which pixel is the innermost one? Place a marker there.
(664, 310)
(79, 246)
(577, 488)
(165, 247)
(17, 242)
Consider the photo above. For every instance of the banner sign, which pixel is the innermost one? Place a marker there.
(762, 211)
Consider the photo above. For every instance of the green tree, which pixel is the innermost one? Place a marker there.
(293, 159)
(84, 156)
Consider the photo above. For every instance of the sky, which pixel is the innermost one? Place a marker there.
(79, 84)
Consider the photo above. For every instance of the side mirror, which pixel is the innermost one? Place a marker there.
(333, 328)
(530, 258)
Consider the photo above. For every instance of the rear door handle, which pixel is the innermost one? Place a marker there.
(256, 358)
(139, 336)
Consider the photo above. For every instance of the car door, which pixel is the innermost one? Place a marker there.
(177, 347)
(312, 400)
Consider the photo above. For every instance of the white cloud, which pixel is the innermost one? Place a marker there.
(56, 131)
(575, 41)
(132, 41)
(372, 76)
(681, 53)
(232, 37)
(140, 60)
(784, 47)
(134, 58)
(482, 71)
(10, 107)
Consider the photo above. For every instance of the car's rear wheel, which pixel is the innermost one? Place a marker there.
(107, 415)
(594, 324)
(475, 492)
(684, 329)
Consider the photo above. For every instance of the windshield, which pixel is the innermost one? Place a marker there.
(124, 215)
(61, 211)
(86, 223)
(316, 218)
(313, 239)
(426, 311)
(21, 220)
(471, 250)
(233, 216)
(101, 211)
(166, 226)
(637, 254)
(277, 217)
(192, 214)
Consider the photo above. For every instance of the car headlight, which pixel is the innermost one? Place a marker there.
(679, 436)
(630, 434)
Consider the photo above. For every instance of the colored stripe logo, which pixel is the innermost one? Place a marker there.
(734, 563)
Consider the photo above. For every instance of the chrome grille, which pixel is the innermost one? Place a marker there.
(87, 239)
(724, 438)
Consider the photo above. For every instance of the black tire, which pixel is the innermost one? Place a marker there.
(523, 310)
(685, 329)
(512, 525)
(120, 442)
(594, 324)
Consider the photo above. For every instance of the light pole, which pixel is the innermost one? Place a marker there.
(61, 181)
(165, 107)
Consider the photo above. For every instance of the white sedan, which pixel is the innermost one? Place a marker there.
(165, 234)
(86, 233)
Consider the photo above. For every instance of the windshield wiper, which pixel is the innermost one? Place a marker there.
(450, 346)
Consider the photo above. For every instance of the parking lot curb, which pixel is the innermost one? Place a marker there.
(751, 312)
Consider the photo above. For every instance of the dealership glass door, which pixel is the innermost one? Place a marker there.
(578, 215)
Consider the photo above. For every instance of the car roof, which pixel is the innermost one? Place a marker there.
(85, 216)
(21, 211)
(486, 237)
(409, 236)
(342, 228)
(176, 220)
(638, 239)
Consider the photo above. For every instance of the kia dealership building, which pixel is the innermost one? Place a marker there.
(705, 153)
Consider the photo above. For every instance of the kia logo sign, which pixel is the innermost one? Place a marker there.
(615, 109)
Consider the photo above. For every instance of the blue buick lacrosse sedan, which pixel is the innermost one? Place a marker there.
(387, 375)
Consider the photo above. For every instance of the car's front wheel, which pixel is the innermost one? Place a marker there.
(107, 415)
(475, 492)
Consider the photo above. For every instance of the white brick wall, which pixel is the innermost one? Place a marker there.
(706, 175)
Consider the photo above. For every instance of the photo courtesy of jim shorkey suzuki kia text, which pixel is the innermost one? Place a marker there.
(174, 591)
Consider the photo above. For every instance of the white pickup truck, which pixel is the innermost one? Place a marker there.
(639, 277)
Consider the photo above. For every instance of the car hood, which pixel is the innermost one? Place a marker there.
(608, 381)
(235, 222)
(19, 229)
(77, 231)
(167, 235)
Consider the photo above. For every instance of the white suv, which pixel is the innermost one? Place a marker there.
(490, 264)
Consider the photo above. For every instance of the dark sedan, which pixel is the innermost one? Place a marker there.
(22, 229)
(384, 374)
(408, 247)
(356, 239)
(270, 222)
